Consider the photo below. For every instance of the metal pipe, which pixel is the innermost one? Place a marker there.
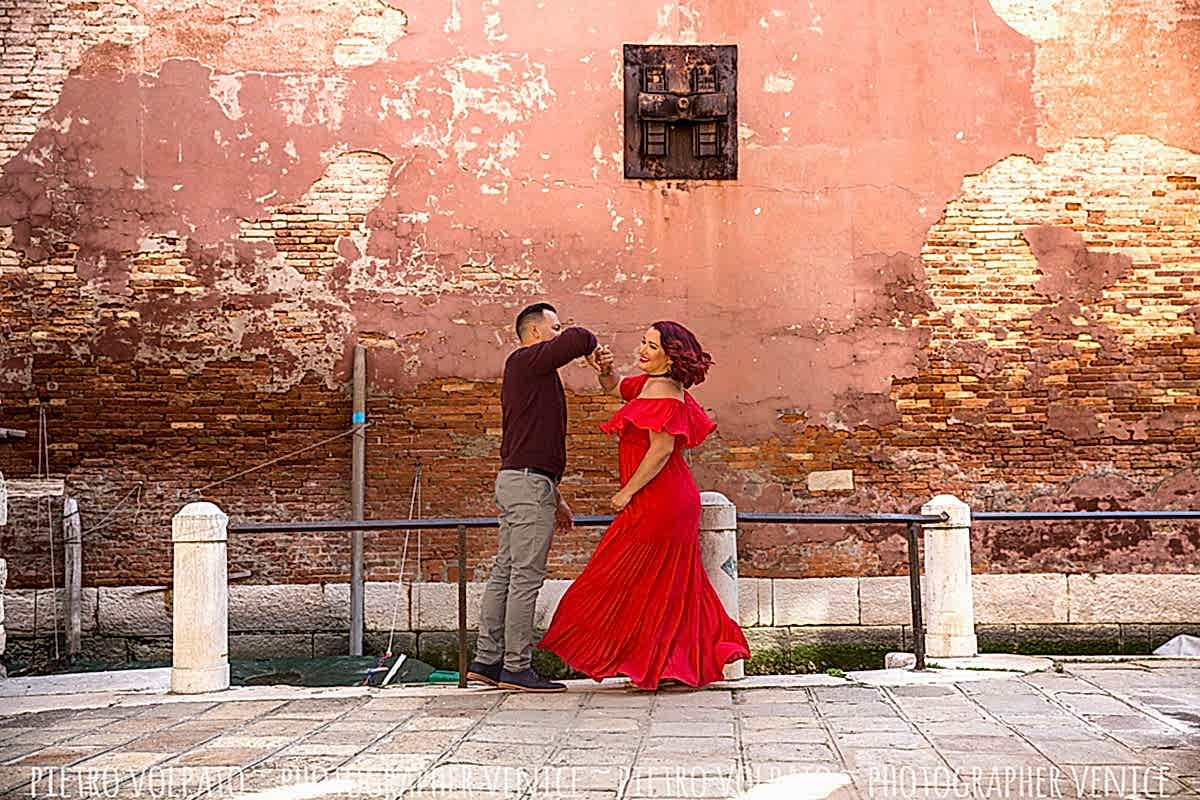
(462, 606)
(357, 499)
(834, 519)
(1019, 516)
(583, 520)
(914, 589)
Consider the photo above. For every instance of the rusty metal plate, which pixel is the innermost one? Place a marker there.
(681, 111)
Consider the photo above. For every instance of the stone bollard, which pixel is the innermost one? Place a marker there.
(200, 643)
(3, 636)
(949, 602)
(718, 553)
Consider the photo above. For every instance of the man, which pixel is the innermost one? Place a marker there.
(533, 454)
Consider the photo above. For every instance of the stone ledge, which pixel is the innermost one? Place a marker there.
(814, 601)
(1035, 598)
(19, 616)
(1134, 598)
(133, 610)
(435, 606)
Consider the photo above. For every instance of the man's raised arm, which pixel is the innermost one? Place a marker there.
(569, 345)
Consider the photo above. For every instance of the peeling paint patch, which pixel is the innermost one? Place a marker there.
(225, 90)
(1040, 20)
(678, 23)
(309, 100)
(779, 83)
(370, 36)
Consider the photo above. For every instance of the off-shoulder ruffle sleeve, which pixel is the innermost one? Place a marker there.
(664, 414)
(631, 386)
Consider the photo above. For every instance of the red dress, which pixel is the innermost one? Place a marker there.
(643, 606)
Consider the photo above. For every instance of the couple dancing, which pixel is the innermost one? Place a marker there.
(643, 606)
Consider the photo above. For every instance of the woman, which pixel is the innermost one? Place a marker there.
(643, 606)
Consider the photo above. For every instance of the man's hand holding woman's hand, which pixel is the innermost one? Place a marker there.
(601, 360)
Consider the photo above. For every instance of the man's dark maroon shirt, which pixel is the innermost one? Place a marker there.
(533, 405)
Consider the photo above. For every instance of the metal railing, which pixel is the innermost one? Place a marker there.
(910, 521)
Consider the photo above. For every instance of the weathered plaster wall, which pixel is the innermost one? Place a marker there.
(959, 257)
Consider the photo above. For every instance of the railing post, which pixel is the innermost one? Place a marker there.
(914, 592)
(200, 619)
(950, 606)
(73, 569)
(718, 552)
(462, 606)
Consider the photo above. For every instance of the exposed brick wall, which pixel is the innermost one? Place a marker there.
(39, 45)
(1017, 329)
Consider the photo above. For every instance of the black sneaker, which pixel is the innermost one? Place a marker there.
(527, 680)
(485, 673)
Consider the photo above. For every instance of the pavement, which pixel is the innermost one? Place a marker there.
(994, 727)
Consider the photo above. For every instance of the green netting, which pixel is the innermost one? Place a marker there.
(332, 671)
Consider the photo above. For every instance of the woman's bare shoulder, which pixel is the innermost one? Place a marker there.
(661, 390)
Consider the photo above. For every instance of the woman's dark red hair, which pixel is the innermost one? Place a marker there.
(689, 363)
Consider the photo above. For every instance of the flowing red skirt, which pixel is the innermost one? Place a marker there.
(643, 606)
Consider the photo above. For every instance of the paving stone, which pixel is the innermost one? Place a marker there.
(94, 739)
(358, 739)
(248, 742)
(808, 735)
(692, 714)
(799, 710)
(866, 758)
(294, 759)
(550, 719)
(593, 756)
(1058, 730)
(389, 762)
(54, 756)
(699, 745)
(846, 694)
(519, 701)
(829, 710)
(426, 723)
(172, 740)
(606, 725)
(763, 723)
(1093, 703)
(963, 730)
(242, 709)
(867, 724)
(280, 727)
(798, 751)
(476, 778)
(598, 739)
(417, 742)
(175, 711)
(1011, 745)
(1066, 752)
(499, 753)
(902, 740)
(122, 761)
(314, 709)
(341, 752)
(513, 734)
(571, 781)
(688, 730)
(222, 756)
(697, 784)
(1131, 722)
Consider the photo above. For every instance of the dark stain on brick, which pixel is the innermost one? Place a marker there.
(1069, 269)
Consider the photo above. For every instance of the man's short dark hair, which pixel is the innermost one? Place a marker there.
(531, 314)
